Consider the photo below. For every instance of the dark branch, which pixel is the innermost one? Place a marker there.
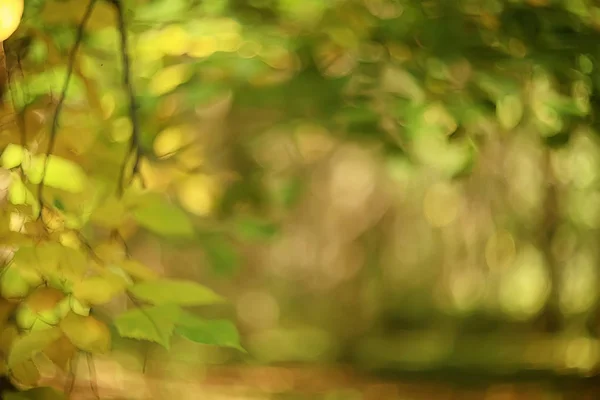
(70, 381)
(63, 95)
(93, 375)
(19, 114)
(134, 142)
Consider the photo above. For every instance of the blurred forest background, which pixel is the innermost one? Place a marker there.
(408, 189)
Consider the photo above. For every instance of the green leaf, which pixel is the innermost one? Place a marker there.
(290, 192)
(60, 173)
(154, 324)
(250, 228)
(216, 332)
(12, 156)
(158, 215)
(171, 291)
(221, 254)
(48, 82)
(27, 346)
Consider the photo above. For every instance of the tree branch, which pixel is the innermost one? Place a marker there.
(63, 95)
(134, 142)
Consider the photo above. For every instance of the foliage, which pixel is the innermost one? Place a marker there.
(102, 137)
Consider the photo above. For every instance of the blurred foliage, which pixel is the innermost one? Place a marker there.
(407, 184)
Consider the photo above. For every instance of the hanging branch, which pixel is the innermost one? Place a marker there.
(70, 381)
(134, 142)
(63, 94)
(93, 375)
(6, 77)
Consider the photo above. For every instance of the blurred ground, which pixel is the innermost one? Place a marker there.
(319, 383)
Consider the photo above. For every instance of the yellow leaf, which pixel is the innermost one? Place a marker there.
(121, 129)
(63, 264)
(229, 41)
(146, 48)
(157, 177)
(110, 251)
(86, 333)
(26, 373)
(175, 40)
(167, 79)
(40, 301)
(61, 352)
(25, 318)
(12, 285)
(77, 307)
(7, 338)
(43, 299)
(138, 270)
(50, 252)
(19, 194)
(12, 156)
(98, 289)
(108, 105)
(34, 169)
(70, 239)
(54, 221)
(197, 194)
(203, 47)
(25, 347)
(73, 264)
(509, 111)
(63, 174)
(26, 262)
(110, 214)
(168, 141)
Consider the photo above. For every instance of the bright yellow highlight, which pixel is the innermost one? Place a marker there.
(229, 42)
(108, 104)
(157, 177)
(174, 40)
(197, 194)
(121, 129)
(203, 47)
(11, 12)
(167, 79)
(168, 141)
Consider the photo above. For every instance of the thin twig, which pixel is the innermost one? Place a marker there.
(20, 114)
(146, 352)
(63, 95)
(134, 142)
(114, 234)
(93, 375)
(88, 247)
(70, 383)
(154, 325)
